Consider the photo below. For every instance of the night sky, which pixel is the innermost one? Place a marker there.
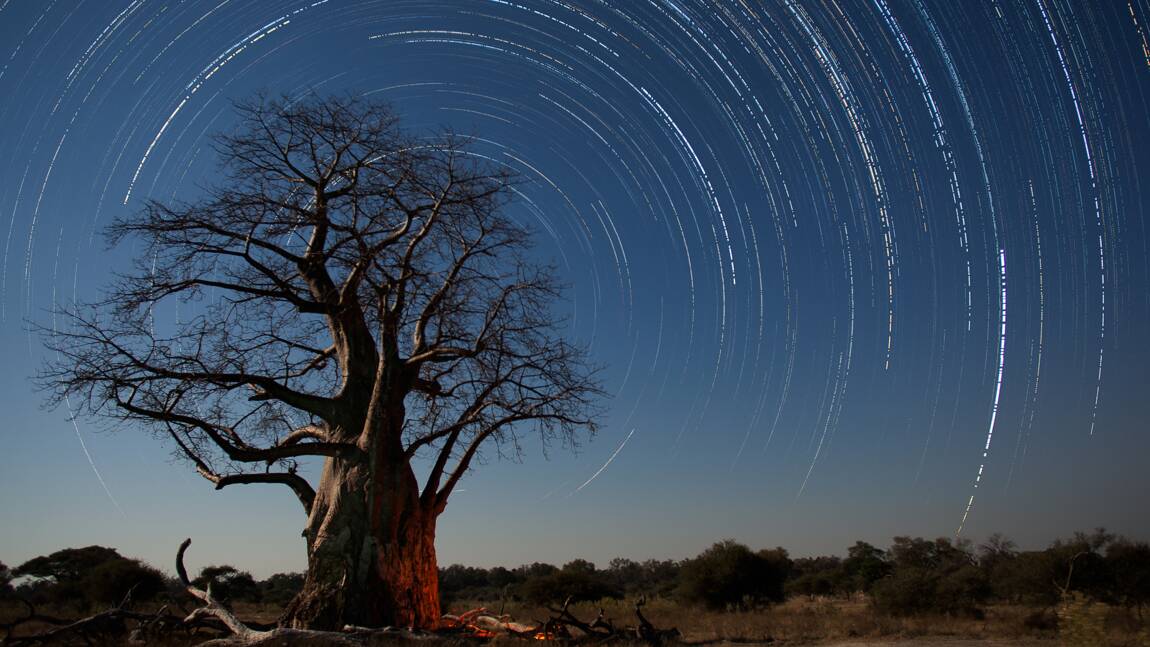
(856, 269)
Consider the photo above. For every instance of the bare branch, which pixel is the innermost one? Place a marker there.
(350, 293)
(303, 490)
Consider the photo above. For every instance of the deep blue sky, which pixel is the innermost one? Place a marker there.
(789, 228)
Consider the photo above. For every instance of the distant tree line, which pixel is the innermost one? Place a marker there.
(912, 576)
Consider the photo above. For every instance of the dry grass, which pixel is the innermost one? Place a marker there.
(820, 621)
(804, 621)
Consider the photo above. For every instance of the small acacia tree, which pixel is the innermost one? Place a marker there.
(346, 292)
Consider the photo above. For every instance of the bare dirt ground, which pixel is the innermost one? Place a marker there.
(942, 642)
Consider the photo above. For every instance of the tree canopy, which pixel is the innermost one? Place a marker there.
(347, 291)
(334, 246)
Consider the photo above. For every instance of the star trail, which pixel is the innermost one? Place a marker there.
(788, 229)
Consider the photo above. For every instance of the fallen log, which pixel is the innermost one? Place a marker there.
(563, 626)
(601, 629)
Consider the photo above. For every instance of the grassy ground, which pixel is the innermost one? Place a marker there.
(802, 621)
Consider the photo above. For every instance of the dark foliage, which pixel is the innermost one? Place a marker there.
(228, 584)
(113, 581)
(927, 576)
(731, 575)
(280, 588)
(85, 578)
(864, 566)
(1129, 563)
(458, 582)
(914, 576)
(5, 580)
(67, 565)
(815, 576)
(577, 580)
(652, 578)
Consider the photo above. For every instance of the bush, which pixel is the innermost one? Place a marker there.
(67, 565)
(577, 580)
(1081, 622)
(815, 576)
(86, 577)
(652, 578)
(1129, 565)
(458, 582)
(5, 579)
(908, 591)
(228, 584)
(962, 591)
(864, 566)
(931, 576)
(279, 589)
(110, 582)
(729, 575)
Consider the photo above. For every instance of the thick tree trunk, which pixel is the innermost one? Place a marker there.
(371, 551)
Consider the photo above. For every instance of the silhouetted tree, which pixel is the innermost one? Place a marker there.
(349, 293)
(578, 580)
(814, 576)
(228, 584)
(66, 565)
(458, 582)
(660, 576)
(625, 575)
(1129, 565)
(864, 566)
(535, 569)
(998, 557)
(84, 577)
(728, 575)
(113, 581)
(934, 575)
(775, 570)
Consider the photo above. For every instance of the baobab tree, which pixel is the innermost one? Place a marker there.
(349, 292)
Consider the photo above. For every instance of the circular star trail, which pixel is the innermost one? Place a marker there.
(846, 263)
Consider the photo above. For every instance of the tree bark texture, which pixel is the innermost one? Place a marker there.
(371, 552)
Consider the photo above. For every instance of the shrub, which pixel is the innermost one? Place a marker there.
(864, 566)
(652, 578)
(280, 588)
(577, 580)
(5, 579)
(909, 591)
(228, 584)
(931, 576)
(1081, 622)
(110, 582)
(1129, 565)
(67, 565)
(87, 577)
(729, 575)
